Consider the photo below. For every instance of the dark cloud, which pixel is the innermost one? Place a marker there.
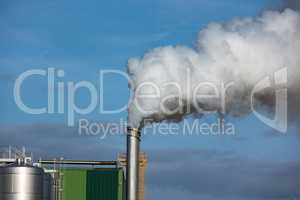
(205, 174)
(55, 141)
(293, 4)
(171, 174)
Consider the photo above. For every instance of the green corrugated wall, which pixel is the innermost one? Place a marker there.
(96, 184)
(73, 184)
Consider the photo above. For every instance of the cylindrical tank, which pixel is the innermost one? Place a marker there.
(21, 182)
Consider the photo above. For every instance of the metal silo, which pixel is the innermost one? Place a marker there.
(21, 182)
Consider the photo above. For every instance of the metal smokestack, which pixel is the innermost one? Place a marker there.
(133, 149)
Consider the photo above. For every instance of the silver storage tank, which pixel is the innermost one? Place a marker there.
(21, 182)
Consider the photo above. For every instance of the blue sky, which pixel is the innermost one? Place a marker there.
(83, 37)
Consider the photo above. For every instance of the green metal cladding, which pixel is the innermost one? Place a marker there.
(73, 184)
(92, 184)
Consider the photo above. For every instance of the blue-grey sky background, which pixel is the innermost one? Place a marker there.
(83, 37)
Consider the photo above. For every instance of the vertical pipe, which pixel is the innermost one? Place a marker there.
(133, 148)
(9, 151)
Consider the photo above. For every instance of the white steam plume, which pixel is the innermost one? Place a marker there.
(242, 51)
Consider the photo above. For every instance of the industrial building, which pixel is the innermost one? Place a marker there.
(20, 179)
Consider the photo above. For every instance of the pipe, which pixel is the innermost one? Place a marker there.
(78, 162)
(7, 161)
(132, 171)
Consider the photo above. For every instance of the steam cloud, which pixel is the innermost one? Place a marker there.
(242, 51)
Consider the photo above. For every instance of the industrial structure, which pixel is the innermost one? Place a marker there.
(141, 175)
(132, 172)
(21, 179)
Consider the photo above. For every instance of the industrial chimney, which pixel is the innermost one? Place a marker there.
(133, 149)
